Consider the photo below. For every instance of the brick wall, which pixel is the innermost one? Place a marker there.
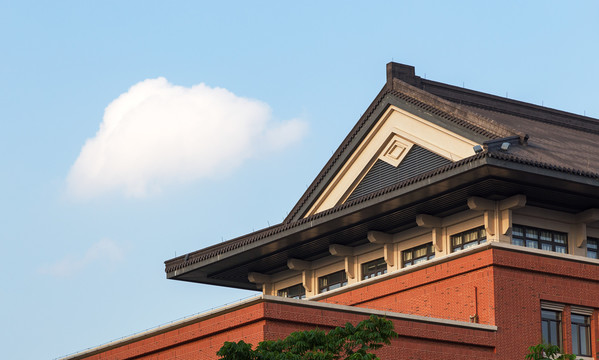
(510, 287)
(446, 291)
(522, 281)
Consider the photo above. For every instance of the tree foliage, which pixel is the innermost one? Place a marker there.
(547, 352)
(347, 343)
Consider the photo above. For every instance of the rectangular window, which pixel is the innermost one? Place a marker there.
(592, 247)
(468, 239)
(551, 324)
(332, 281)
(418, 254)
(293, 292)
(581, 335)
(374, 268)
(540, 239)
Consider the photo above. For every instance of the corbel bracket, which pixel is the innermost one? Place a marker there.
(350, 259)
(580, 228)
(259, 278)
(378, 237)
(262, 279)
(434, 223)
(497, 214)
(306, 268)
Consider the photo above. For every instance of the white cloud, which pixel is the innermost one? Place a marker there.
(157, 134)
(105, 252)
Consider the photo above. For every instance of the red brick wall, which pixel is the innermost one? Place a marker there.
(522, 281)
(270, 320)
(417, 340)
(199, 340)
(445, 291)
(510, 288)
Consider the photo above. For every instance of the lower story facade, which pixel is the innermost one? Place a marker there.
(491, 301)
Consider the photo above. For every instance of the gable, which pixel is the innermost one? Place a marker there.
(401, 140)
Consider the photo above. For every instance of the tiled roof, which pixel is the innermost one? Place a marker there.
(549, 139)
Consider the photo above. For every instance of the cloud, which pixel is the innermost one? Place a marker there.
(157, 134)
(105, 252)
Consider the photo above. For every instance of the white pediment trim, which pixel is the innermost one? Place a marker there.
(390, 140)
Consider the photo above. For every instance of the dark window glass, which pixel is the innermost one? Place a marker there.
(592, 247)
(551, 323)
(294, 292)
(418, 254)
(581, 335)
(332, 281)
(540, 239)
(468, 239)
(374, 268)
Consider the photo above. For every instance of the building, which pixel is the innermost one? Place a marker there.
(470, 220)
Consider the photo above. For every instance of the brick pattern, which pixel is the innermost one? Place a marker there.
(510, 287)
(445, 291)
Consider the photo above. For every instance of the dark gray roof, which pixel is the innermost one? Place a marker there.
(550, 151)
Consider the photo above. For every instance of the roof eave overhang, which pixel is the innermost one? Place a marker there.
(370, 207)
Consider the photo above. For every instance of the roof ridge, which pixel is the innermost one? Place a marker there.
(514, 107)
(453, 112)
(594, 130)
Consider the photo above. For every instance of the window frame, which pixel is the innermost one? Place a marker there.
(288, 292)
(430, 254)
(546, 325)
(525, 239)
(377, 268)
(481, 237)
(325, 288)
(593, 248)
(576, 327)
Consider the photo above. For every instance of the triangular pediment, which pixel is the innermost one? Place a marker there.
(399, 146)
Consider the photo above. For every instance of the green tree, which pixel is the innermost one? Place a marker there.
(547, 352)
(347, 343)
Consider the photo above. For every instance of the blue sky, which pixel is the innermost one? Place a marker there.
(88, 216)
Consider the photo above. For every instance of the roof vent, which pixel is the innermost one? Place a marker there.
(477, 149)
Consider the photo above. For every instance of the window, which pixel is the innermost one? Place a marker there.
(374, 268)
(581, 334)
(540, 239)
(332, 281)
(551, 324)
(468, 239)
(418, 254)
(592, 247)
(294, 292)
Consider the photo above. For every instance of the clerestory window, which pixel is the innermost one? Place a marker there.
(468, 239)
(540, 239)
(592, 244)
(293, 292)
(374, 268)
(418, 254)
(332, 281)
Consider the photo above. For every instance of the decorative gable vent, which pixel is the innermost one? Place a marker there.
(417, 161)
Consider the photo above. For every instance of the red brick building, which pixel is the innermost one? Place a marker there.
(469, 220)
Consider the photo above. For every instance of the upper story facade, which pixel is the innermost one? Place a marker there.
(428, 172)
